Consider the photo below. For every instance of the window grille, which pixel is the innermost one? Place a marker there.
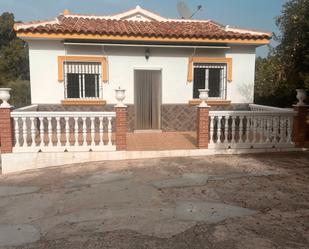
(212, 76)
(83, 80)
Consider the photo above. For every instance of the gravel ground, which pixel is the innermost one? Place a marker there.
(121, 204)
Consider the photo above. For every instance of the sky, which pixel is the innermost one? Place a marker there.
(256, 14)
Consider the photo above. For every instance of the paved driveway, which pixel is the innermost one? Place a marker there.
(252, 201)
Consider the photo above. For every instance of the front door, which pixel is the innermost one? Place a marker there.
(147, 99)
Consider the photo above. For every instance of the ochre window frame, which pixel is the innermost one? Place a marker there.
(228, 61)
(100, 59)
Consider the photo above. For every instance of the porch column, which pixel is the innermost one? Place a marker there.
(202, 127)
(6, 130)
(300, 125)
(121, 128)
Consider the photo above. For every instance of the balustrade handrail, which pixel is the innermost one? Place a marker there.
(269, 108)
(17, 114)
(252, 113)
(26, 108)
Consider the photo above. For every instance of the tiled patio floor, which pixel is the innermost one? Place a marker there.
(161, 141)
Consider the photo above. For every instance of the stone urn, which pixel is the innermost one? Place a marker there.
(203, 97)
(5, 96)
(301, 96)
(120, 96)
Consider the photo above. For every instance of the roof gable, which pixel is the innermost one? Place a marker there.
(138, 14)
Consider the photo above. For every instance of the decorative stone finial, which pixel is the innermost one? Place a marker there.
(203, 97)
(301, 96)
(120, 96)
(5, 96)
(138, 7)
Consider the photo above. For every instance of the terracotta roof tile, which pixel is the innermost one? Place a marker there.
(167, 29)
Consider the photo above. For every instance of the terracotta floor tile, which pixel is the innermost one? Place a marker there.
(161, 141)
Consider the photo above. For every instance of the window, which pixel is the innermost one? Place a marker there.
(210, 76)
(82, 80)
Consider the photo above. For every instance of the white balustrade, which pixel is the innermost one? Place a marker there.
(62, 131)
(251, 129)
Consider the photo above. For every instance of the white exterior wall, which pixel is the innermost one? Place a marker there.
(241, 89)
(174, 73)
(45, 88)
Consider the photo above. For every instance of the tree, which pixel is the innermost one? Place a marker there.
(270, 87)
(287, 66)
(293, 49)
(14, 67)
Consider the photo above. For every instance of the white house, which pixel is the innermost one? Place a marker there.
(77, 61)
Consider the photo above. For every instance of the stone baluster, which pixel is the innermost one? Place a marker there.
(211, 130)
(233, 140)
(67, 132)
(220, 130)
(84, 132)
(289, 130)
(25, 142)
(41, 131)
(101, 131)
(50, 132)
(241, 128)
(226, 129)
(247, 130)
(16, 128)
(109, 131)
(76, 132)
(33, 132)
(92, 131)
(268, 129)
(58, 132)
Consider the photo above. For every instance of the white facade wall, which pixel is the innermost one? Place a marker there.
(241, 89)
(45, 88)
(173, 62)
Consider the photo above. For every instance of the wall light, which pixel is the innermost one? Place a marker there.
(147, 53)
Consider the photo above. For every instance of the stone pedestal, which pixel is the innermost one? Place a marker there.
(202, 127)
(300, 125)
(121, 128)
(6, 130)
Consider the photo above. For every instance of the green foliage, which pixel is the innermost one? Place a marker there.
(287, 66)
(7, 33)
(268, 74)
(293, 49)
(20, 94)
(14, 68)
(270, 85)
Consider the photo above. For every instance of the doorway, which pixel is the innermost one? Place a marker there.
(147, 99)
